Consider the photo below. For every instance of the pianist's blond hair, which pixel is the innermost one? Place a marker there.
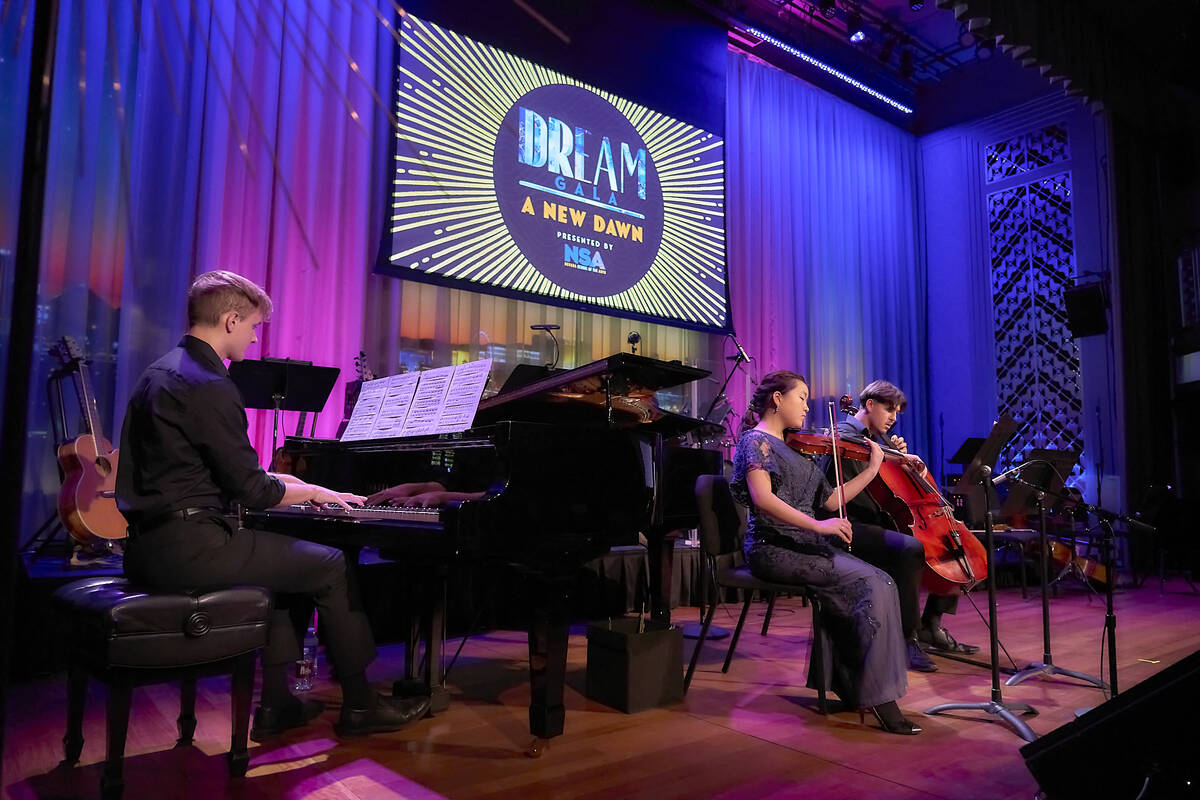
(215, 293)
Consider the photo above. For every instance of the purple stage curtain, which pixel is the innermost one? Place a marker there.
(826, 266)
(187, 137)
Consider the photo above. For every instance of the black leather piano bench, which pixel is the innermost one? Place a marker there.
(127, 636)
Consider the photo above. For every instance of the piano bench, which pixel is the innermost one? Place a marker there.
(127, 636)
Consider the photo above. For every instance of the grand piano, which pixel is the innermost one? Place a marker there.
(572, 462)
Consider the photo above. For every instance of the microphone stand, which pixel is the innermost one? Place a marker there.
(692, 630)
(1046, 667)
(737, 360)
(996, 706)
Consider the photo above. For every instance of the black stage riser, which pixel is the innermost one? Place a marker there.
(1110, 750)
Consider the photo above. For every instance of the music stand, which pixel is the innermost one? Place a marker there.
(966, 451)
(970, 486)
(282, 384)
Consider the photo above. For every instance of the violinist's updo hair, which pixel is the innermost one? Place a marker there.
(779, 381)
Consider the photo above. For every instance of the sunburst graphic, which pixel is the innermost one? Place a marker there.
(452, 97)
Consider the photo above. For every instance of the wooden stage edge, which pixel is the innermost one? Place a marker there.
(753, 732)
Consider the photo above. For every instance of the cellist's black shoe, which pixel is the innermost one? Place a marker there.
(386, 715)
(917, 660)
(939, 639)
(271, 721)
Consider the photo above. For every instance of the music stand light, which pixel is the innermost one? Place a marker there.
(282, 384)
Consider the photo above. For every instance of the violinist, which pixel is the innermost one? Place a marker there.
(880, 403)
(786, 543)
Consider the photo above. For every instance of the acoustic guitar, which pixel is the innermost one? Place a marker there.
(87, 502)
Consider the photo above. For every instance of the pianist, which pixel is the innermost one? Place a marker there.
(185, 458)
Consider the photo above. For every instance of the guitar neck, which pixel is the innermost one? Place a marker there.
(87, 401)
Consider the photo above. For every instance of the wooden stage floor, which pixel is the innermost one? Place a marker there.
(751, 733)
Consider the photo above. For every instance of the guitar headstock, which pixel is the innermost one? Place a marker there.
(68, 352)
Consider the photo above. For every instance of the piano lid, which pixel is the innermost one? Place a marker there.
(582, 394)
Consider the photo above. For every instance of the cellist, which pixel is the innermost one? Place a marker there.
(880, 403)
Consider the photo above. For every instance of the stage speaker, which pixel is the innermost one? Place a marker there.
(1086, 306)
(1137, 745)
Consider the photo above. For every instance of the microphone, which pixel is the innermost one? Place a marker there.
(1003, 476)
(741, 352)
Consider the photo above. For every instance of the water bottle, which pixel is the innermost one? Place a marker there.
(306, 667)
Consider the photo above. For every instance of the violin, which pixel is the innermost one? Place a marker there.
(955, 559)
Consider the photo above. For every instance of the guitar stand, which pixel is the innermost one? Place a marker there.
(1046, 667)
(46, 533)
(1007, 712)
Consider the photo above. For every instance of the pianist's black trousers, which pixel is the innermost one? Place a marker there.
(209, 551)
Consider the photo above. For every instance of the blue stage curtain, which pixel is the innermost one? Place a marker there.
(826, 266)
(15, 48)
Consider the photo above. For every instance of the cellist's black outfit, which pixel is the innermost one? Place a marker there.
(185, 458)
(862, 508)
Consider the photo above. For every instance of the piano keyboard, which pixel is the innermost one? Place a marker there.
(373, 513)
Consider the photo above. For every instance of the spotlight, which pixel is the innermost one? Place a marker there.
(965, 37)
(985, 49)
(916, 5)
(906, 63)
(827, 8)
(854, 27)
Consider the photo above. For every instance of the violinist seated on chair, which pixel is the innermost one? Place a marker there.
(781, 485)
(880, 403)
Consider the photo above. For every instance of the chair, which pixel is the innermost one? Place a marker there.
(722, 528)
(127, 636)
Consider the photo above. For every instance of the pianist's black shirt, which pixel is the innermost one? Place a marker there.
(184, 441)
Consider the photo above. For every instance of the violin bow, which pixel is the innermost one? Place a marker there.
(837, 467)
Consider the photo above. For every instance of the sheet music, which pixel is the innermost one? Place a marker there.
(427, 404)
(442, 400)
(462, 396)
(397, 406)
(366, 409)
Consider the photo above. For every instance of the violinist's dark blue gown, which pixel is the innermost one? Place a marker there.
(866, 661)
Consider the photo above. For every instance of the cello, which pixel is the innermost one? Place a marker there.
(955, 559)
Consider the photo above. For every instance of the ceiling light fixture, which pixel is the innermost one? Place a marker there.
(821, 65)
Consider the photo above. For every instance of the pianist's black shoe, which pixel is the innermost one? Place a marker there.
(387, 714)
(270, 721)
